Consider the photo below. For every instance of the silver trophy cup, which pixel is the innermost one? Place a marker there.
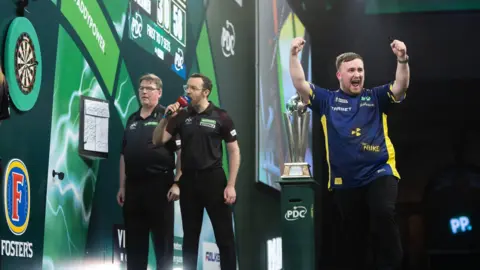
(297, 119)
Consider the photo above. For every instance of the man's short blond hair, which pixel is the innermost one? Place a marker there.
(152, 78)
(346, 57)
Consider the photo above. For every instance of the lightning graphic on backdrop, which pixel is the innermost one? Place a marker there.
(69, 201)
(118, 104)
(69, 193)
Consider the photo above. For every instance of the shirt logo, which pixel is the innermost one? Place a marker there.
(17, 196)
(365, 98)
(365, 102)
(341, 100)
(133, 126)
(152, 123)
(188, 120)
(370, 147)
(356, 132)
(342, 109)
(208, 123)
(338, 181)
(233, 133)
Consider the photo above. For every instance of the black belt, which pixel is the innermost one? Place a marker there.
(158, 171)
(210, 169)
(166, 170)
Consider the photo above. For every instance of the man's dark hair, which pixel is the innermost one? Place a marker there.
(346, 57)
(207, 83)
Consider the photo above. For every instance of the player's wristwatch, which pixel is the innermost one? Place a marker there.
(403, 61)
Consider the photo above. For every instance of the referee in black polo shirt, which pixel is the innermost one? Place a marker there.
(202, 127)
(147, 186)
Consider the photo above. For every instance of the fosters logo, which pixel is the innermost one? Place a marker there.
(17, 208)
(17, 196)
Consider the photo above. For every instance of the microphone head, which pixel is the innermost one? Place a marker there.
(184, 101)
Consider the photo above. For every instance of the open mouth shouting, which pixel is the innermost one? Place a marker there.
(356, 82)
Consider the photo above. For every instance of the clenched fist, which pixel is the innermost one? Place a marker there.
(172, 108)
(297, 45)
(399, 49)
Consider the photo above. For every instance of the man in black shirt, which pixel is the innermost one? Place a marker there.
(202, 126)
(147, 182)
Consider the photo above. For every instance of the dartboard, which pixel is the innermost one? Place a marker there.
(25, 63)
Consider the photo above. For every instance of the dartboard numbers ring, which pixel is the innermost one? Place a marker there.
(23, 65)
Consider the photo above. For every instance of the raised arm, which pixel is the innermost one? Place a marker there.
(161, 135)
(296, 70)
(402, 75)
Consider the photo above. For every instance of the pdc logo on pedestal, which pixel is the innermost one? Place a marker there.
(297, 212)
(17, 208)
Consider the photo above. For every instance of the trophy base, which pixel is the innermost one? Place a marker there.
(296, 170)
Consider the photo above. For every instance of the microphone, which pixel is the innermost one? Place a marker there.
(183, 101)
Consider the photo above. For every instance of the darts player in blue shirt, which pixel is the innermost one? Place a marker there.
(359, 153)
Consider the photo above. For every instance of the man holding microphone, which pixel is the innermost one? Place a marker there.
(359, 153)
(147, 182)
(202, 127)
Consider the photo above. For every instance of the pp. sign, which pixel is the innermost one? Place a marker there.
(460, 224)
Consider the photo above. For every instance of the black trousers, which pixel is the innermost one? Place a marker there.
(374, 205)
(146, 209)
(204, 190)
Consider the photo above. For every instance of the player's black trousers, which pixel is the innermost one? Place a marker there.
(201, 190)
(374, 205)
(146, 209)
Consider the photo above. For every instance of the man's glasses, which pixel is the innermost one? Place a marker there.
(194, 88)
(146, 88)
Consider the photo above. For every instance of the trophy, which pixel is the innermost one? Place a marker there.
(297, 120)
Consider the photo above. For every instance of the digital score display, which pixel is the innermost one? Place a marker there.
(160, 28)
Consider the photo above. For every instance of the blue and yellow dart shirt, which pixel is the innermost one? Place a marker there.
(358, 148)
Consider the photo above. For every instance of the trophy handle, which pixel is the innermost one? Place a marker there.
(288, 126)
(298, 140)
(304, 134)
